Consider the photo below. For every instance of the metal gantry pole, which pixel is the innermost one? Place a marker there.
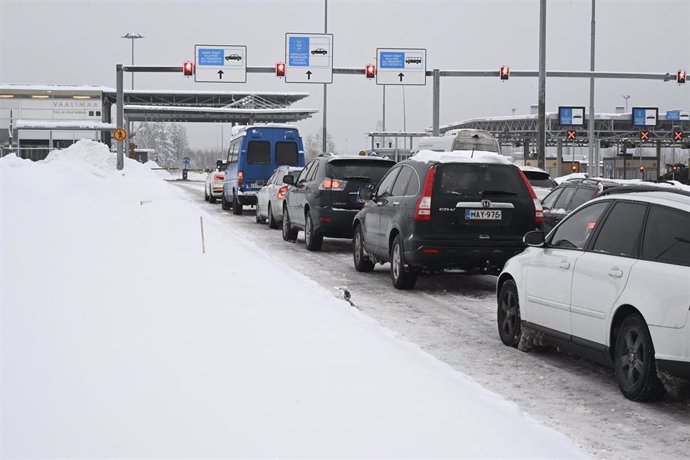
(120, 114)
(593, 160)
(324, 142)
(436, 109)
(541, 131)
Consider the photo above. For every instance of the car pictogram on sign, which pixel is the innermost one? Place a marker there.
(319, 51)
(233, 57)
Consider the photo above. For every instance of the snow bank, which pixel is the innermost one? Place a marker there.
(121, 339)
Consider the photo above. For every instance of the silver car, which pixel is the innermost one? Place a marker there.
(213, 187)
(269, 199)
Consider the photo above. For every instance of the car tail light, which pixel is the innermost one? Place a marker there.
(538, 211)
(218, 177)
(423, 210)
(281, 192)
(240, 178)
(332, 184)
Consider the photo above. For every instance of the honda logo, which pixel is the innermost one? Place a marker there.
(486, 204)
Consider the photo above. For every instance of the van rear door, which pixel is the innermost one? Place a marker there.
(481, 202)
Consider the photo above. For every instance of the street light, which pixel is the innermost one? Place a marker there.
(626, 97)
(132, 37)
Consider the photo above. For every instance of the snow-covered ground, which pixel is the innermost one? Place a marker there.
(120, 338)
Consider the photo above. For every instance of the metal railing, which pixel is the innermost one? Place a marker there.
(28, 153)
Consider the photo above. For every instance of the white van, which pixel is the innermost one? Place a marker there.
(460, 139)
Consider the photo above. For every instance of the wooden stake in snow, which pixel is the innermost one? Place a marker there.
(203, 242)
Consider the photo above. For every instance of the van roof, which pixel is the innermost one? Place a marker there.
(460, 156)
(240, 131)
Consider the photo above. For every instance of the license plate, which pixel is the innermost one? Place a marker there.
(482, 214)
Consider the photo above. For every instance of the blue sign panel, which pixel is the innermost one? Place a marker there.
(298, 51)
(210, 56)
(639, 117)
(673, 115)
(565, 116)
(185, 160)
(392, 60)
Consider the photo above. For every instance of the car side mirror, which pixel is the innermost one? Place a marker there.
(365, 193)
(288, 179)
(535, 238)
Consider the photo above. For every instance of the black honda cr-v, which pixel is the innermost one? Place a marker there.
(324, 198)
(440, 210)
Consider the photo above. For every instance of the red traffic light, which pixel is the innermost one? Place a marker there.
(188, 68)
(280, 69)
(505, 72)
(644, 135)
(370, 71)
(680, 76)
(641, 168)
(677, 135)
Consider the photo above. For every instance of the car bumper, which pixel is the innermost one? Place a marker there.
(217, 190)
(440, 255)
(334, 222)
(247, 197)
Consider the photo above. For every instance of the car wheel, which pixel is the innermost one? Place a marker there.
(211, 198)
(205, 194)
(312, 238)
(224, 203)
(403, 278)
(257, 217)
(634, 363)
(272, 223)
(289, 234)
(236, 205)
(362, 262)
(508, 315)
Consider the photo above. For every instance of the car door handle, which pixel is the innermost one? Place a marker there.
(616, 273)
(564, 264)
(396, 203)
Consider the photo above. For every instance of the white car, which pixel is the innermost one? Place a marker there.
(541, 181)
(213, 188)
(611, 282)
(269, 199)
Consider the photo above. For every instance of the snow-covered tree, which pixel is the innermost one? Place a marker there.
(313, 145)
(169, 140)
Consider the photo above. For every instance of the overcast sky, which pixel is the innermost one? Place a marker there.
(78, 42)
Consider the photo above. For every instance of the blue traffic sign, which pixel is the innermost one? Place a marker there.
(185, 160)
(673, 115)
(391, 60)
(565, 116)
(298, 51)
(210, 56)
(645, 116)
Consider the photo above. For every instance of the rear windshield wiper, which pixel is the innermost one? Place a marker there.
(498, 192)
(365, 178)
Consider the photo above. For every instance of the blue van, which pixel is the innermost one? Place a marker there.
(254, 153)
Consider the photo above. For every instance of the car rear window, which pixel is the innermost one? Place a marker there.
(482, 179)
(582, 195)
(286, 153)
(540, 179)
(365, 170)
(259, 152)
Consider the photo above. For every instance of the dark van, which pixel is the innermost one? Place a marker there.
(254, 153)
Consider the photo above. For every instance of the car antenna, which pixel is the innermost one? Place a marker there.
(472, 154)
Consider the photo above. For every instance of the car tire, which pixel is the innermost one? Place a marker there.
(508, 314)
(211, 198)
(289, 233)
(362, 262)
(236, 205)
(634, 362)
(224, 203)
(313, 239)
(205, 194)
(272, 223)
(257, 217)
(403, 278)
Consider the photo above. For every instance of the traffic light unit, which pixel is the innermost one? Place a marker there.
(677, 135)
(370, 71)
(504, 72)
(280, 69)
(188, 68)
(644, 135)
(680, 76)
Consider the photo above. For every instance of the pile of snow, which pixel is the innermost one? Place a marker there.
(460, 156)
(120, 338)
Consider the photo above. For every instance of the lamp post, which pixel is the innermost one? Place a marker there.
(132, 37)
(626, 97)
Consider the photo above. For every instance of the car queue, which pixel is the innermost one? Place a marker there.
(608, 279)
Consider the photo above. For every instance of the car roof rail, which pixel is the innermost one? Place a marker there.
(643, 188)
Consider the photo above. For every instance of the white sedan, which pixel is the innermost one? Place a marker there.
(269, 199)
(213, 188)
(541, 181)
(611, 283)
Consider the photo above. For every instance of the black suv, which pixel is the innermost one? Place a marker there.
(436, 214)
(569, 195)
(324, 199)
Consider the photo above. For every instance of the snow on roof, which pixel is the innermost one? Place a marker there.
(226, 93)
(9, 87)
(177, 108)
(460, 156)
(531, 168)
(65, 124)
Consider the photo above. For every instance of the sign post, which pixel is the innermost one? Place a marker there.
(309, 58)
(401, 66)
(220, 63)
